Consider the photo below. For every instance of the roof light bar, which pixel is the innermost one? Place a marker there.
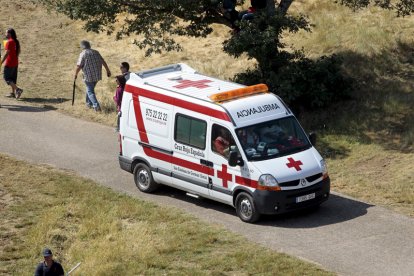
(240, 92)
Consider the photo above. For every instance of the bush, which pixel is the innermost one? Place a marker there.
(304, 83)
(300, 81)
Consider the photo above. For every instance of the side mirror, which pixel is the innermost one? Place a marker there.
(312, 138)
(234, 159)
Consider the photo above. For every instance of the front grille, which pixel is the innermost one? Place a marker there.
(289, 183)
(314, 177)
(296, 181)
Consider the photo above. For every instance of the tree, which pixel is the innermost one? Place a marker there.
(158, 21)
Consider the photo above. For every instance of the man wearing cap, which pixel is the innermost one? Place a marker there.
(49, 267)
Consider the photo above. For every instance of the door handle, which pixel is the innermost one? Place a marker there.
(206, 163)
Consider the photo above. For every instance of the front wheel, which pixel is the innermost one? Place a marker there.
(246, 209)
(143, 179)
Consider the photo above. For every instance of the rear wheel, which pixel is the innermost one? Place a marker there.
(246, 209)
(143, 179)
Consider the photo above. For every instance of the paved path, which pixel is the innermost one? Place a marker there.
(345, 236)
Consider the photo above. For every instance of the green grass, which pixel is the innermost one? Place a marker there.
(114, 234)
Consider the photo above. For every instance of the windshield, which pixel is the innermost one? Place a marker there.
(272, 139)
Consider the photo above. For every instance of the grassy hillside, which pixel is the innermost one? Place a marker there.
(114, 234)
(368, 140)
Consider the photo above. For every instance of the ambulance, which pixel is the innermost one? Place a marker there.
(235, 144)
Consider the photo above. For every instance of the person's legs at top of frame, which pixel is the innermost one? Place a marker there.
(90, 95)
(247, 16)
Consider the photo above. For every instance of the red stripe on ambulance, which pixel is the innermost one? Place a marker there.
(137, 92)
(159, 155)
(177, 102)
(246, 182)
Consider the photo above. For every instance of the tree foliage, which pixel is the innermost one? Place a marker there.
(158, 20)
(289, 73)
(402, 7)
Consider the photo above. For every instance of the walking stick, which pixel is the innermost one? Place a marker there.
(73, 93)
(75, 267)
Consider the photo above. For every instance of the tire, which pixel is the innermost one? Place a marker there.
(246, 209)
(143, 179)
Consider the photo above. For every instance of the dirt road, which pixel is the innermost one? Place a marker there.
(345, 236)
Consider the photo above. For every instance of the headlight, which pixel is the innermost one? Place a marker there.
(324, 168)
(268, 182)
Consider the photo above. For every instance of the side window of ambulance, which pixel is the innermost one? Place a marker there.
(190, 131)
(221, 140)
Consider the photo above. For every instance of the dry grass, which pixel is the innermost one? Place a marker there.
(388, 175)
(368, 140)
(113, 234)
(338, 29)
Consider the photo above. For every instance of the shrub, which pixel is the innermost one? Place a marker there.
(300, 81)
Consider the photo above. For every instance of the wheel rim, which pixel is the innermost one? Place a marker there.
(246, 208)
(143, 178)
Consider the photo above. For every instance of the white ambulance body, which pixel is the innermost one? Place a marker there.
(171, 121)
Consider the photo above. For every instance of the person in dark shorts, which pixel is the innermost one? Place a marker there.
(11, 62)
(49, 267)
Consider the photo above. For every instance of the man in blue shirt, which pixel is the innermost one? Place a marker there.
(49, 267)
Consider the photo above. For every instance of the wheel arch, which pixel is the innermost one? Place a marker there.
(139, 160)
(239, 190)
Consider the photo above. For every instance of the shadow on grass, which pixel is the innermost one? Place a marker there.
(380, 109)
(336, 209)
(333, 152)
(26, 108)
(45, 100)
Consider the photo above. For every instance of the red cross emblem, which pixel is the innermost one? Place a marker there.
(224, 175)
(190, 83)
(294, 164)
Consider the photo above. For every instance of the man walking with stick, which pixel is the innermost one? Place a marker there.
(90, 62)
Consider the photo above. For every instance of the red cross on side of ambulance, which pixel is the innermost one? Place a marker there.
(224, 176)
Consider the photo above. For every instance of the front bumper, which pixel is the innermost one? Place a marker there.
(278, 202)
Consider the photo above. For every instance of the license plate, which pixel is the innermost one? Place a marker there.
(305, 197)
